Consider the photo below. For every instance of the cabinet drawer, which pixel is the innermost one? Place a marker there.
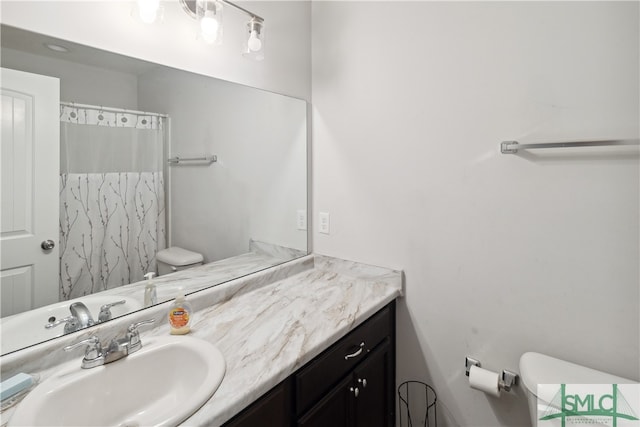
(320, 375)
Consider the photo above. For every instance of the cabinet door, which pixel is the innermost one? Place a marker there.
(334, 410)
(271, 410)
(320, 375)
(374, 406)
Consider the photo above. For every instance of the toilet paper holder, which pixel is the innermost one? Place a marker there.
(508, 379)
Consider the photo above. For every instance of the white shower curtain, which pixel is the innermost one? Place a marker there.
(112, 209)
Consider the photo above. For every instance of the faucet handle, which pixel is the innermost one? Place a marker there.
(105, 311)
(93, 355)
(93, 351)
(134, 335)
(71, 324)
(133, 328)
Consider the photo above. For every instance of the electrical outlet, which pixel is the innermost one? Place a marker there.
(301, 219)
(324, 226)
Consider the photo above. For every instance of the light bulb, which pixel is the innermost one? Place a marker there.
(148, 10)
(254, 44)
(209, 27)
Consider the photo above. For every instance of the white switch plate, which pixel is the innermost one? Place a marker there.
(301, 219)
(324, 225)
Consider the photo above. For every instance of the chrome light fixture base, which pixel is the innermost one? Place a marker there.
(189, 6)
(208, 11)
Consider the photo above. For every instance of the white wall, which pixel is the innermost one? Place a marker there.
(259, 181)
(109, 25)
(503, 254)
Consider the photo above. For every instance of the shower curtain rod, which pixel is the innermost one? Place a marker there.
(112, 109)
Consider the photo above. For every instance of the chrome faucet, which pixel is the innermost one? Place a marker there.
(95, 355)
(81, 317)
(81, 312)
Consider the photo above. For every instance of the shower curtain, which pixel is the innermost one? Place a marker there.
(112, 208)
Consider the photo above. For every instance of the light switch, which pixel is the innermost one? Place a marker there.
(324, 222)
(301, 219)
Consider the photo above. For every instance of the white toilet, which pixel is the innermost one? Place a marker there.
(536, 368)
(175, 259)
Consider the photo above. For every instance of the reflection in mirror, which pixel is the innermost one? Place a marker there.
(160, 170)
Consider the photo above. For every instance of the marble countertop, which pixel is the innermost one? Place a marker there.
(260, 256)
(267, 325)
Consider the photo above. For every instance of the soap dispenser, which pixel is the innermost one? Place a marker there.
(150, 295)
(180, 316)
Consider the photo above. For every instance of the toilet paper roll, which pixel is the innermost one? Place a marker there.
(484, 380)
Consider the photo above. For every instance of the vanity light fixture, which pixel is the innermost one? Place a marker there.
(149, 11)
(254, 44)
(209, 15)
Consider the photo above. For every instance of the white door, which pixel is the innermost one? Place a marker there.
(30, 165)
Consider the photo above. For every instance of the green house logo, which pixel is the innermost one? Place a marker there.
(592, 404)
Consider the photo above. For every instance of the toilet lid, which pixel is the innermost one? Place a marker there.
(536, 368)
(178, 257)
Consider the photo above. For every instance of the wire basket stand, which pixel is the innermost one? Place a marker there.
(417, 402)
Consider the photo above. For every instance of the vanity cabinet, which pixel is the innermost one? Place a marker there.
(362, 399)
(350, 384)
(272, 409)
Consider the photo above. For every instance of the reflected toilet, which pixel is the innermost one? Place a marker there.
(175, 259)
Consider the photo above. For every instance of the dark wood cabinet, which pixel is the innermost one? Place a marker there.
(272, 409)
(361, 399)
(351, 384)
(333, 410)
(374, 405)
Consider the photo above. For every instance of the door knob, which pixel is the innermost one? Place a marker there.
(47, 245)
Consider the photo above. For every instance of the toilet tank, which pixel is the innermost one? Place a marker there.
(536, 368)
(175, 259)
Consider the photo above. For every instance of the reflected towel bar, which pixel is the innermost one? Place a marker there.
(511, 147)
(204, 160)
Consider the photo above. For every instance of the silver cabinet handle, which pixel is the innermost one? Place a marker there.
(47, 245)
(363, 381)
(355, 391)
(356, 353)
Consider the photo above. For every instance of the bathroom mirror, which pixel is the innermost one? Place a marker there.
(154, 157)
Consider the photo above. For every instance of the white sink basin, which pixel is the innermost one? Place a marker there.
(25, 329)
(161, 384)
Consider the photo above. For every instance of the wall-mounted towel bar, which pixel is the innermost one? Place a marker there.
(204, 160)
(511, 147)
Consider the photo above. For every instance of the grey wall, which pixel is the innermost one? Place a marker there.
(79, 83)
